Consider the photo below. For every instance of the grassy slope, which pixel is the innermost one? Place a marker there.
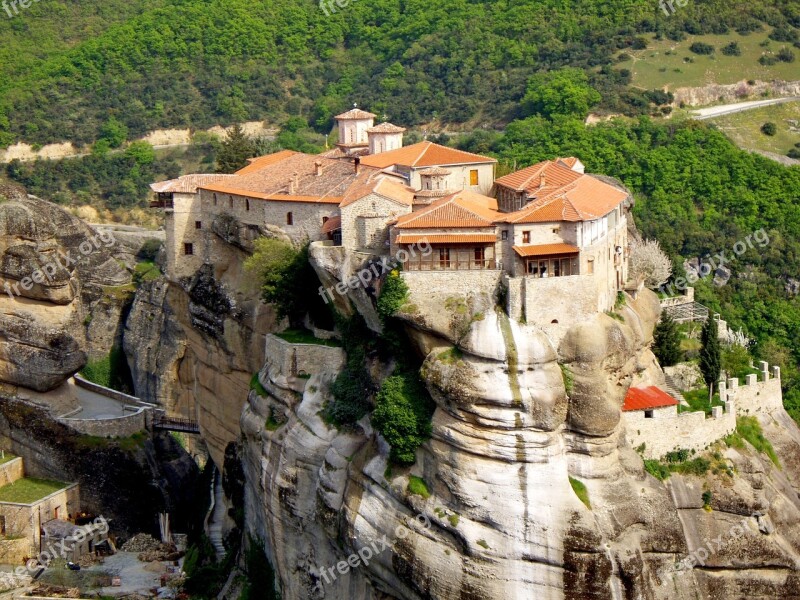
(744, 128)
(654, 68)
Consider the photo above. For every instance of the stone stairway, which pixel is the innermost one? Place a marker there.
(672, 389)
(216, 516)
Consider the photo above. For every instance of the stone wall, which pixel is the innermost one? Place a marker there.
(692, 430)
(26, 520)
(459, 177)
(295, 363)
(181, 229)
(426, 287)
(15, 551)
(11, 471)
(104, 391)
(124, 426)
(758, 394)
(379, 211)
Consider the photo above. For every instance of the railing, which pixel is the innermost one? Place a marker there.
(170, 423)
(450, 265)
(690, 311)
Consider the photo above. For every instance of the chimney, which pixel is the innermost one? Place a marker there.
(293, 183)
(541, 181)
(318, 168)
(356, 163)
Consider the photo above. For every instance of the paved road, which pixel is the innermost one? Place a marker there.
(701, 114)
(96, 406)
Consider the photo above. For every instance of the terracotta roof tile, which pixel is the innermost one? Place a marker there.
(424, 154)
(186, 184)
(647, 398)
(530, 179)
(296, 176)
(585, 199)
(386, 128)
(463, 209)
(355, 113)
(463, 238)
(370, 181)
(332, 224)
(264, 161)
(545, 250)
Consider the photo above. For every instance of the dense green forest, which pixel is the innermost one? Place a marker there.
(66, 66)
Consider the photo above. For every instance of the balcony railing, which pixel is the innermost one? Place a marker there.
(449, 265)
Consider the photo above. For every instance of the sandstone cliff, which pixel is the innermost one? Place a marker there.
(516, 418)
(54, 269)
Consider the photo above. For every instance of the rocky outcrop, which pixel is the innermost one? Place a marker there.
(516, 420)
(194, 349)
(734, 92)
(48, 260)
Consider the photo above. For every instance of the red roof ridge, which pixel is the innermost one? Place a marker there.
(646, 398)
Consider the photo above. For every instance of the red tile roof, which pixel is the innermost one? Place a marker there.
(332, 224)
(462, 238)
(545, 250)
(279, 197)
(647, 398)
(186, 184)
(258, 163)
(584, 199)
(530, 179)
(463, 209)
(424, 154)
(386, 128)
(370, 181)
(355, 113)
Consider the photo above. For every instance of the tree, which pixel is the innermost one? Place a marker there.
(563, 92)
(285, 276)
(235, 151)
(649, 262)
(141, 152)
(114, 132)
(667, 341)
(710, 352)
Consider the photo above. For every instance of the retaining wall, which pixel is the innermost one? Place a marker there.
(124, 426)
(104, 391)
(11, 471)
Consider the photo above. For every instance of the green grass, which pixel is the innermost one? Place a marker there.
(744, 128)
(653, 68)
(580, 491)
(7, 457)
(255, 384)
(145, 271)
(416, 486)
(303, 336)
(748, 428)
(698, 401)
(29, 489)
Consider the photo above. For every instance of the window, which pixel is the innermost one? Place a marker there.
(590, 266)
(198, 224)
(526, 237)
(247, 203)
(215, 199)
(473, 176)
(325, 220)
(188, 249)
(230, 201)
(444, 258)
(480, 254)
(289, 219)
(504, 235)
(648, 414)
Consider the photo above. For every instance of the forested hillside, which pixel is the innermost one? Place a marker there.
(200, 62)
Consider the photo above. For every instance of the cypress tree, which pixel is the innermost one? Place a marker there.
(709, 352)
(667, 341)
(234, 151)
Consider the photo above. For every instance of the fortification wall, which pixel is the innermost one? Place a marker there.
(758, 393)
(11, 471)
(693, 430)
(124, 426)
(290, 365)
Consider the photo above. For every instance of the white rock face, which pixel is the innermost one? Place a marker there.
(502, 520)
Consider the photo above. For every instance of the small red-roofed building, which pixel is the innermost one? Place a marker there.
(652, 400)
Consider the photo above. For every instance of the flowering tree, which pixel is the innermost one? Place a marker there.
(649, 262)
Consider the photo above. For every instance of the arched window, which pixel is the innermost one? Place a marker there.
(289, 219)
(247, 203)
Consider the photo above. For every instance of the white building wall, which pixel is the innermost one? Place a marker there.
(180, 229)
(383, 142)
(459, 178)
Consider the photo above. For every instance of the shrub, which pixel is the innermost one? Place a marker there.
(416, 486)
(580, 491)
(656, 469)
(403, 415)
(149, 249)
(394, 294)
(750, 429)
(701, 48)
(707, 498)
(732, 49)
(785, 55)
(769, 128)
(351, 391)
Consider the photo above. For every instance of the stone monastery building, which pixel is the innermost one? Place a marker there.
(554, 235)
